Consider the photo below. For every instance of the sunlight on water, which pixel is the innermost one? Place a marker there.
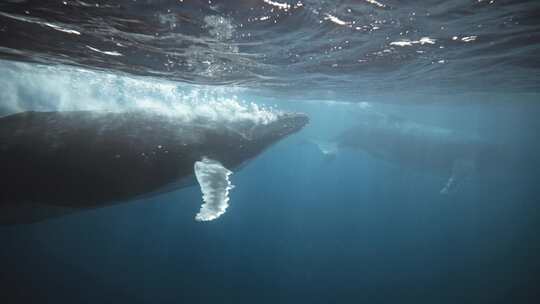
(286, 46)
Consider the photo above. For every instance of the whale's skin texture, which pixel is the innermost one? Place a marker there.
(411, 145)
(85, 159)
(423, 147)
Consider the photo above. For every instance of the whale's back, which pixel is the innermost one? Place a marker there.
(82, 159)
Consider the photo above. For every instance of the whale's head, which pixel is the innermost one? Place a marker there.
(255, 139)
(284, 125)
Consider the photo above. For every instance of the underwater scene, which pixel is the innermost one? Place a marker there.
(261, 151)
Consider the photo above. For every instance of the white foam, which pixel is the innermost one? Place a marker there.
(36, 87)
(62, 29)
(402, 43)
(38, 21)
(377, 3)
(335, 20)
(469, 38)
(220, 27)
(407, 42)
(279, 5)
(110, 53)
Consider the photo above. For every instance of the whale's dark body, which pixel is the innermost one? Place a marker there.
(410, 144)
(89, 159)
(428, 148)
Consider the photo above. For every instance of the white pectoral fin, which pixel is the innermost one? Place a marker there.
(215, 185)
(461, 170)
(328, 149)
(448, 186)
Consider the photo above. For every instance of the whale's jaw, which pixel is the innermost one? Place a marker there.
(286, 124)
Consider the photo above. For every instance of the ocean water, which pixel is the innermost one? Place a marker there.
(350, 209)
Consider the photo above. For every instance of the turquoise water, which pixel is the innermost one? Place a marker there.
(310, 220)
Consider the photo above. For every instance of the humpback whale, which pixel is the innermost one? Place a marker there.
(417, 146)
(54, 163)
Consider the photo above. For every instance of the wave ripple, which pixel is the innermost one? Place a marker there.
(302, 48)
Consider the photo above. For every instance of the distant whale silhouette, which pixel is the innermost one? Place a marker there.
(53, 163)
(419, 146)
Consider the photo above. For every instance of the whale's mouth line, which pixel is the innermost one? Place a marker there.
(293, 122)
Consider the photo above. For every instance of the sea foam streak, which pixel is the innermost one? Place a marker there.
(31, 87)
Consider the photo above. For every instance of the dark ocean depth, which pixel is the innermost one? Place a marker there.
(353, 208)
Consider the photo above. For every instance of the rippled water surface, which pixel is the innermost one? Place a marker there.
(302, 49)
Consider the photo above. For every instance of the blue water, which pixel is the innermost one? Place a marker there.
(300, 228)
